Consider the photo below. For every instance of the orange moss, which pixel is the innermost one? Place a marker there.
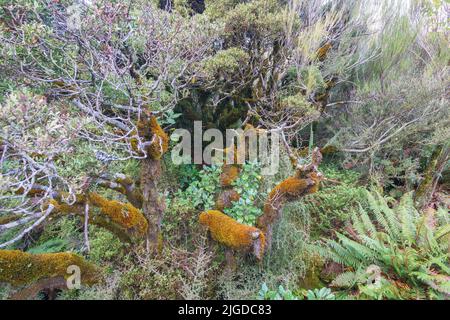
(229, 174)
(161, 143)
(151, 131)
(20, 268)
(64, 207)
(289, 189)
(303, 152)
(134, 141)
(233, 234)
(226, 198)
(32, 192)
(330, 149)
(230, 171)
(322, 52)
(32, 290)
(257, 131)
(314, 176)
(9, 218)
(226, 153)
(124, 180)
(298, 153)
(123, 219)
(249, 126)
(123, 214)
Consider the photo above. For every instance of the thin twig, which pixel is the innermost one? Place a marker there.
(27, 230)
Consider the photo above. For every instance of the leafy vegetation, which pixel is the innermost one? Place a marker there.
(284, 294)
(94, 95)
(247, 185)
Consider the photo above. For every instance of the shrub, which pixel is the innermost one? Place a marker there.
(247, 185)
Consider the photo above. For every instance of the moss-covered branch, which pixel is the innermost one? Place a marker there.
(305, 181)
(154, 141)
(124, 215)
(233, 234)
(122, 219)
(125, 186)
(21, 268)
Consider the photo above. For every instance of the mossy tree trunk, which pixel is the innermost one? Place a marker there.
(152, 204)
(433, 172)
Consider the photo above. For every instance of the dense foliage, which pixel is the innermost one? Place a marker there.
(91, 92)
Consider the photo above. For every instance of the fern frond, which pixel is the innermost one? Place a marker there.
(341, 255)
(438, 282)
(375, 245)
(359, 251)
(376, 209)
(408, 246)
(405, 211)
(442, 231)
(390, 217)
(368, 225)
(357, 223)
(443, 216)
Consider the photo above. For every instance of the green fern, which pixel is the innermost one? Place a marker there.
(349, 279)
(409, 249)
(53, 245)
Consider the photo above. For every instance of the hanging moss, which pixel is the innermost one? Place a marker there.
(20, 268)
(233, 234)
